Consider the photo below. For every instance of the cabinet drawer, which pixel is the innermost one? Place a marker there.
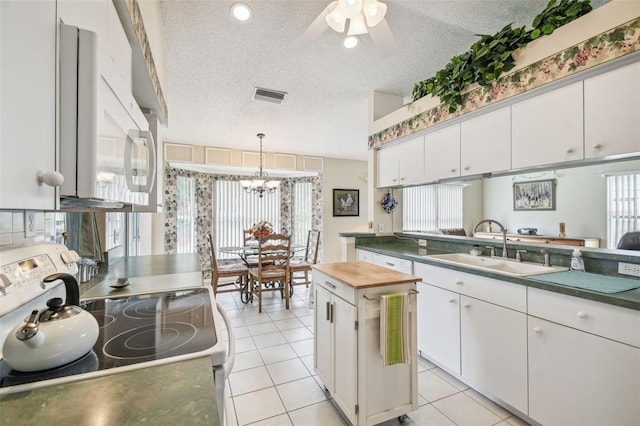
(509, 295)
(401, 265)
(334, 286)
(612, 322)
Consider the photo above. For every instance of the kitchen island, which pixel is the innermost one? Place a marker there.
(348, 340)
(180, 392)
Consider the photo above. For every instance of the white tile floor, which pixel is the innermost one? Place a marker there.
(273, 382)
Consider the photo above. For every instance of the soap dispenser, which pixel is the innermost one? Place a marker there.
(577, 262)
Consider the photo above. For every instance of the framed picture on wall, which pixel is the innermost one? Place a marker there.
(534, 195)
(346, 202)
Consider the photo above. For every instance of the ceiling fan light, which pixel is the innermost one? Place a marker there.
(374, 11)
(241, 12)
(349, 8)
(357, 25)
(351, 42)
(336, 20)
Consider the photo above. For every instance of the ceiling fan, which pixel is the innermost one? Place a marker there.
(362, 17)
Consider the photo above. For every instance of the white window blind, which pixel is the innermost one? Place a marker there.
(623, 206)
(235, 210)
(301, 212)
(186, 213)
(431, 207)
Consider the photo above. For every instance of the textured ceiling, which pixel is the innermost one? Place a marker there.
(214, 63)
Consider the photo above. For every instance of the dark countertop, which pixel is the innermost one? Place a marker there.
(175, 393)
(411, 251)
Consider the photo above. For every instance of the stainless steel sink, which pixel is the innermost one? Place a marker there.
(496, 264)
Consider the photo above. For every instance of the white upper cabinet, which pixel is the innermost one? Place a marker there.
(88, 15)
(612, 113)
(401, 164)
(548, 128)
(442, 153)
(27, 104)
(485, 143)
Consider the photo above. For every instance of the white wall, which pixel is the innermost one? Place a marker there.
(581, 201)
(342, 174)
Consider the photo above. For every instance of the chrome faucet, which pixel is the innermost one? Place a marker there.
(502, 229)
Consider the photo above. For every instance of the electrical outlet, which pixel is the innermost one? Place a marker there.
(29, 224)
(629, 269)
(422, 243)
(422, 252)
(381, 227)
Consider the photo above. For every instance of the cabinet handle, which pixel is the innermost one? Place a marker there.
(570, 151)
(460, 283)
(332, 305)
(537, 330)
(401, 178)
(390, 264)
(598, 147)
(467, 305)
(328, 284)
(452, 300)
(453, 170)
(51, 178)
(582, 315)
(394, 180)
(467, 168)
(328, 311)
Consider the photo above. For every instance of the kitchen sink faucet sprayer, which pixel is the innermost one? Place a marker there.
(502, 229)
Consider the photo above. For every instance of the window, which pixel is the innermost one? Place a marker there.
(235, 210)
(301, 212)
(431, 207)
(623, 206)
(186, 213)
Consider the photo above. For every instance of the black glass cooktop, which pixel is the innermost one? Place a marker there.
(135, 330)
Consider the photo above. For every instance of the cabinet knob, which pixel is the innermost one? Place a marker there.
(452, 300)
(401, 178)
(582, 315)
(467, 305)
(453, 170)
(537, 330)
(459, 283)
(467, 168)
(51, 178)
(570, 151)
(598, 147)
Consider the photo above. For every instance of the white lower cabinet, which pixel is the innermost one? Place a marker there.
(347, 352)
(494, 350)
(577, 378)
(439, 326)
(584, 367)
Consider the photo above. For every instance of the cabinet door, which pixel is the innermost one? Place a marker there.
(411, 161)
(442, 153)
(548, 128)
(485, 143)
(576, 378)
(28, 103)
(322, 350)
(388, 166)
(439, 326)
(494, 350)
(345, 356)
(612, 113)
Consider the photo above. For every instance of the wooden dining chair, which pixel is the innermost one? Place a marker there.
(300, 268)
(247, 238)
(236, 270)
(272, 272)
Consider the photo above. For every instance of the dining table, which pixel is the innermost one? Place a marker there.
(248, 254)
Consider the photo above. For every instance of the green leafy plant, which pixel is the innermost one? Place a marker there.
(492, 55)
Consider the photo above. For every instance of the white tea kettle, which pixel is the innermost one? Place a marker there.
(54, 337)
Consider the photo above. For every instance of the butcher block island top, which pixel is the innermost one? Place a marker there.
(364, 275)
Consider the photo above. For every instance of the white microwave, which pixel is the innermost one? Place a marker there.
(107, 154)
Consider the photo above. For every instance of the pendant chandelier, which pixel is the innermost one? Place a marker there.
(260, 183)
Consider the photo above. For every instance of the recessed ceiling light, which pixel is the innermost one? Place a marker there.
(241, 12)
(351, 42)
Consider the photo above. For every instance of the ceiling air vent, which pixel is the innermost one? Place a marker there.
(268, 95)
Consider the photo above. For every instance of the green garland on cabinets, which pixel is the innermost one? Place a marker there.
(491, 56)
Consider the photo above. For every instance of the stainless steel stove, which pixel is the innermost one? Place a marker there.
(135, 330)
